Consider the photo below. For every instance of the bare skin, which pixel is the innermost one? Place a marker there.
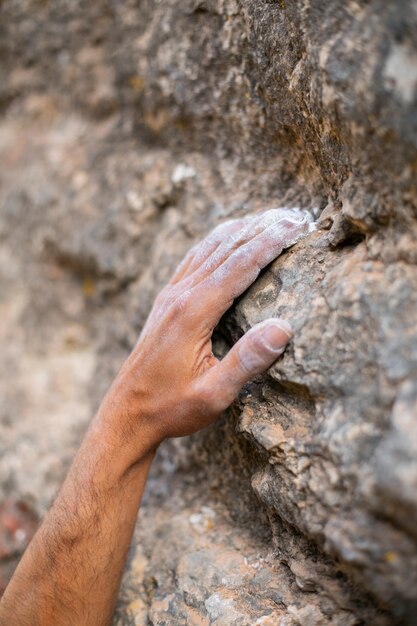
(170, 386)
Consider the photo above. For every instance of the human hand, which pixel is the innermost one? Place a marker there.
(171, 381)
(171, 385)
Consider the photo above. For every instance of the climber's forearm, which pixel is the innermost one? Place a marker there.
(70, 574)
(171, 385)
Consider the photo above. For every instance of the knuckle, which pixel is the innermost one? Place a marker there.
(165, 296)
(249, 251)
(182, 302)
(173, 302)
(234, 239)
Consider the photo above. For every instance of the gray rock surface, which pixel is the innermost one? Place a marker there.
(127, 131)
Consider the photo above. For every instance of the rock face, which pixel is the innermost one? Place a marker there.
(127, 131)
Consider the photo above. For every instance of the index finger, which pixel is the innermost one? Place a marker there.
(216, 293)
(199, 253)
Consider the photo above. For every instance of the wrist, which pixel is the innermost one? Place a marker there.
(124, 428)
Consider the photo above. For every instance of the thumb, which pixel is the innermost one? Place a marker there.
(253, 354)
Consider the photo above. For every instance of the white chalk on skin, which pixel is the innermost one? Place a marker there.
(300, 216)
(261, 237)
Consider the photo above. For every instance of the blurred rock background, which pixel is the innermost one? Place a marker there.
(127, 130)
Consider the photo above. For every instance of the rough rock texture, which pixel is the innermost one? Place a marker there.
(128, 129)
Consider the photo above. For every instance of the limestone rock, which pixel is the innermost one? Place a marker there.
(127, 131)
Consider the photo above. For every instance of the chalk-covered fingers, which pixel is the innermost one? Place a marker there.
(253, 354)
(236, 235)
(172, 377)
(205, 248)
(205, 257)
(216, 292)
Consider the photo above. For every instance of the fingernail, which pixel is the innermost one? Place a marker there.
(276, 335)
